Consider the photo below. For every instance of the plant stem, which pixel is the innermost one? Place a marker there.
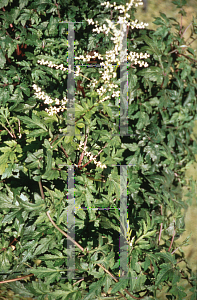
(94, 156)
(16, 279)
(82, 154)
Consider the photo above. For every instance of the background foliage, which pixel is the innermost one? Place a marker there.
(162, 107)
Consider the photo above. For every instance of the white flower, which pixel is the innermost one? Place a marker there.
(112, 56)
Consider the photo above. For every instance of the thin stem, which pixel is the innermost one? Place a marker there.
(160, 228)
(84, 113)
(89, 110)
(64, 151)
(54, 139)
(40, 185)
(181, 23)
(78, 281)
(192, 42)
(41, 189)
(19, 128)
(185, 30)
(11, 128)
(175, 250)
(16, 279)
(57, 142)
(173, 51)
(65, 234)
(172, 240)
(14, 240)
(187, 57)
(57, 10)
(82, 154)
(6, 129)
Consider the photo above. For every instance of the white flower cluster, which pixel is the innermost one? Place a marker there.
(112, 56)
(53, 109)
(88, 57)
(119, 34)
(91, 157)
(135, 56)
(51, 65)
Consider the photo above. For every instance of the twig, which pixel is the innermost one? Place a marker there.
(60, 146)
(54, 139)
(11, 128)
(78, 281)
(16, 279)
(41, 189)
(191, 42)
(64, 151)
(82, 154)
(187, 57)
(185, 30)
(172, 240)
(14, 240)
(175, 250)
(65, 234)
(181, 24)
(173, 51)
(57, 10)
(19, 128)
(89, 109)
(160, 228)
(7, 129)
(84, 113)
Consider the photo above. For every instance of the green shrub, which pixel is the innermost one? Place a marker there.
(38, 156)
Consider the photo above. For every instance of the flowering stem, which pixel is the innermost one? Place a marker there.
(82, 154)
(94, 157)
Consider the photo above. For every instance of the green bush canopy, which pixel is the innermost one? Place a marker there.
(94, 214)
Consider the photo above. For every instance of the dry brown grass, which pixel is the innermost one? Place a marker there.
(168, 8)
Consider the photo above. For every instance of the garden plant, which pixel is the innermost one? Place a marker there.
(98, 199)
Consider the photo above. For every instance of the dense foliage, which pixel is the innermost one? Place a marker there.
(36, 154)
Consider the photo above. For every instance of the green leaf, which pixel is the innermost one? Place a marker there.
(108, 224)
(8, 172)
(34, 122)
(179, 3)
(95, 289)
(152, 74)
(120, 285)
(40, 205)
(177, 291)
(3, 162)
(44, 245)
(2, 58)
(164, 273)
